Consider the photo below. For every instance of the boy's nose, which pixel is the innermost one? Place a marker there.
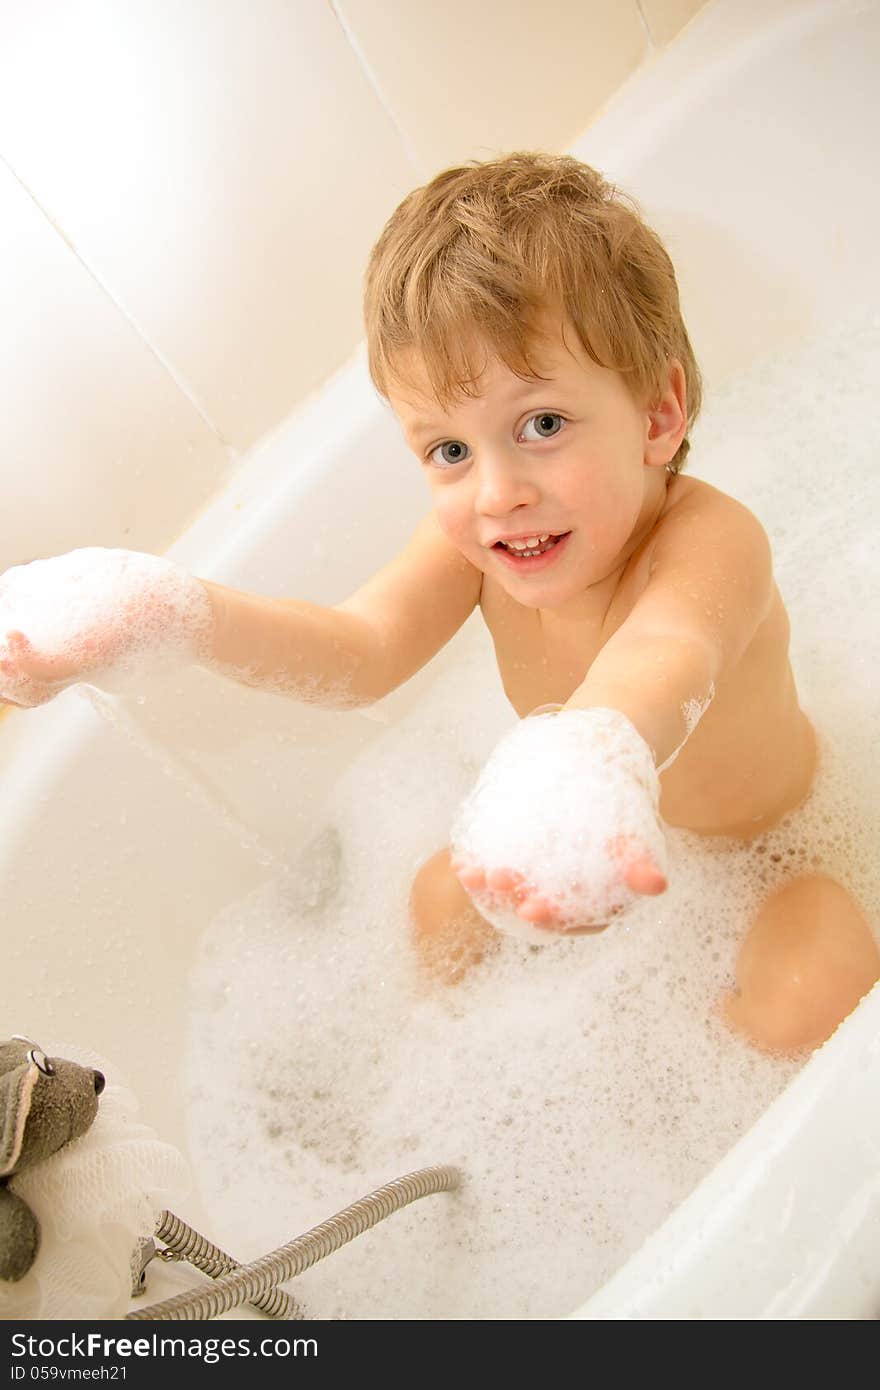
(503, 484)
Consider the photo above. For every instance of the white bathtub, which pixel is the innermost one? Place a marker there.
(751, 144)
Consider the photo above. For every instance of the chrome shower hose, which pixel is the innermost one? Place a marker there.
(257, 1283)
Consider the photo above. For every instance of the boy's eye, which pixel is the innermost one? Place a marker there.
(545, 426)
(450, 452)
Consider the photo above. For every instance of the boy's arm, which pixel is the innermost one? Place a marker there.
(136, 612)
(709, 589)
(359, 650)
(710, 586)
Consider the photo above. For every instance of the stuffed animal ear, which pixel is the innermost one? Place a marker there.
(19, 1236)
(16, 1091)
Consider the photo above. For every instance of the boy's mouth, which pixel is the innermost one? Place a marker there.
(530, 551)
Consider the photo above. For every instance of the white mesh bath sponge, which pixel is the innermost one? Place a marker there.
(94, 1200)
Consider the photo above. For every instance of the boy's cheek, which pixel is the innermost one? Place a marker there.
(457, 528)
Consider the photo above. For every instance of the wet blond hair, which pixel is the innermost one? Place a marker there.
(474, 260)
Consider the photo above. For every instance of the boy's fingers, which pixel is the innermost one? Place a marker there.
(470, 877)
(504, 880)
(643, 876)
(637, 868)
(20, 650)
(539, 911)
(26, 665)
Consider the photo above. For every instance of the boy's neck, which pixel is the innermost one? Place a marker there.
(592, 605)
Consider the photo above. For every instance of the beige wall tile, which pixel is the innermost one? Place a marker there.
(467, 80)
(98, 446)
(666, 17)
(224, 168)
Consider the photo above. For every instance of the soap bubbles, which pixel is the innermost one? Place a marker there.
(584, 1088)
(108, 617)
(555, 797)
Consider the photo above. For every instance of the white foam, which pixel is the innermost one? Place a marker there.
(555, 796)
(106, 616)
(584, 1088)
(692, 712)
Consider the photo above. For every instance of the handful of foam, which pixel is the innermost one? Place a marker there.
(565, 800)
(109, 616)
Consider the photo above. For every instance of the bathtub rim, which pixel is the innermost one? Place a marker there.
(220, 538)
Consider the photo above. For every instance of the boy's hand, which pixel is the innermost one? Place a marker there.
(27, 679)
(561, 833)
(509, 890)
(113, 612)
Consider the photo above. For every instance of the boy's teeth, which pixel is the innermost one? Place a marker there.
(533, 545)
(528, 544)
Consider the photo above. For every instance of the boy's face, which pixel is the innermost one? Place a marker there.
(569, 463)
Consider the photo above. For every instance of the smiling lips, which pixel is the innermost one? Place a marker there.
(531, 552)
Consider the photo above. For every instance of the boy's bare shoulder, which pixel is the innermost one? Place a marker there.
(694, 497)
(700, 522)
(709, 569)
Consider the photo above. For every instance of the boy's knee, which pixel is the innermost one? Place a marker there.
(808, 959)
(449, 934)
(435, 896)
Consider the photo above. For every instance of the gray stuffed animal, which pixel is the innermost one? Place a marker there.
(45, 1102)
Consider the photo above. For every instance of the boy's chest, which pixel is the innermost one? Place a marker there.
(543, 659)
(534, 672)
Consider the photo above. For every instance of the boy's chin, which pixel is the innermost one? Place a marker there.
(531, 594)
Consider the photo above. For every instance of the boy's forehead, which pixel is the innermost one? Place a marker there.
(412, 394)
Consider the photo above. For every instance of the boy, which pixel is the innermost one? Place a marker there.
(524, 325)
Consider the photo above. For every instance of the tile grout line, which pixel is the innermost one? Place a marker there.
(369, 72)
(646, 26)
(163, 361)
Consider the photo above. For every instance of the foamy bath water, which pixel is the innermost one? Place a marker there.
(583, 1087)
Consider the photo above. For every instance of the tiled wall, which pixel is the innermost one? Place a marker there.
(189, 190)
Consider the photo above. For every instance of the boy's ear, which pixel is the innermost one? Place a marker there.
(667, 418)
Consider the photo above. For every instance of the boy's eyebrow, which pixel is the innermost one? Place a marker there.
(428, 426)
(422, 429)
(419, 430)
